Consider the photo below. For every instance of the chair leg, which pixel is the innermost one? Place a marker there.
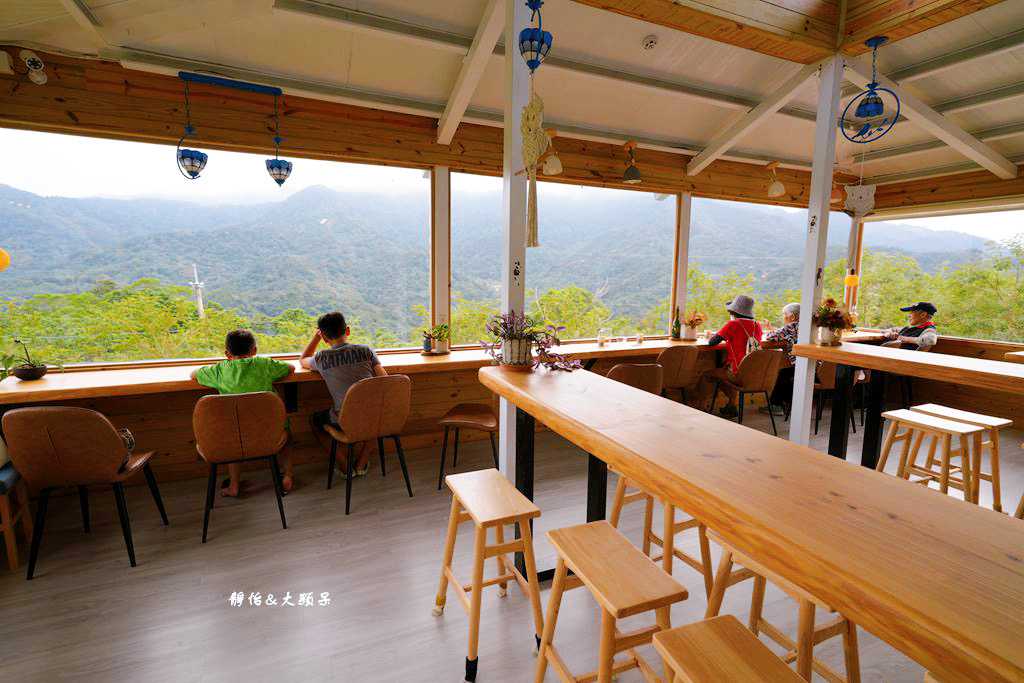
(617, 502)
(23, 507)
(554, 603)
(771, 413)
(83, 500)
(455, 450)
(805, 640)
(350, 472)
(853, 421)
(606, 649)
(720, 584)
(446, 563)
(494, 449)
(7, 523)
(211, 488)
(757, 603)
(331, 463)
(714, 397)
(275, 476)
(851, 654)
(739, 413)
(997, 503)
(401, 461)
(818, 410)
(151, 480)
(475, 595)
(122, 512)
(444, 452)
(380, 452)
(37, 533)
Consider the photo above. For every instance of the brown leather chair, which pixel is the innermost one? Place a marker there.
(679, 364)
(644, 376)
(825, 389)
(482, 416)
(374, 408)
(232, 428)
(54, 447)
(757, 374)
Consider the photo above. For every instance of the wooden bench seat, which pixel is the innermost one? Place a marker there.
(720, 649)
(490, 498)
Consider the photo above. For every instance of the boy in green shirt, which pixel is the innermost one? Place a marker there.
(244, 372)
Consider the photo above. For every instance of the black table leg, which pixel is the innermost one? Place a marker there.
(597, 488)
(839, 433)
(589, 364)
(524, 469)
(873, 419)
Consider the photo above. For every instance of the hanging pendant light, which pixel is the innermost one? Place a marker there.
(534, 42)
(632, 175)
(776, 188)
(279, 169)
(871, 119)
(191, 162)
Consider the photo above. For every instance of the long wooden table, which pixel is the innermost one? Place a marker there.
(941, 581)
(882, 361)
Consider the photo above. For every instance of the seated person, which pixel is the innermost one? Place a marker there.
(736, 334)
(919, 334)
(241, 373)
(341, 366)
(786, 336)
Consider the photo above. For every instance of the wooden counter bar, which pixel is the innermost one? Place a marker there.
(992, 375)
(941, 581)
(1014, 357)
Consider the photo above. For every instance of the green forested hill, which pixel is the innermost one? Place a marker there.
(367, 253)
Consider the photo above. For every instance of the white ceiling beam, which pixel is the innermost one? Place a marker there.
(751, 120)
(480, 51)
(936, 124)
(84, 17)
(362, 21)
(986, 135)
(933, 172)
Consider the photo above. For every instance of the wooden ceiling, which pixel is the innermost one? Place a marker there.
(802, 31)
(98, 98)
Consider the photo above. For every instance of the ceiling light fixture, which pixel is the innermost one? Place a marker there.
(191, 162)
(278, 168)
(534, 42)
(632, 175)
(776, 189)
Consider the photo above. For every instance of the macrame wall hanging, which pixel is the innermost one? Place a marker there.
(534, 44)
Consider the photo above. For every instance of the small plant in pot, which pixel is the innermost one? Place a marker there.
(26, 369)
(832, 318)
(515, 338)
(442, 335)
(428, 341)
(692, 322)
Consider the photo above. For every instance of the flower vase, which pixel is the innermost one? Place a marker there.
(517, 353)
(428, 344)
(829, 337)
(689, 333)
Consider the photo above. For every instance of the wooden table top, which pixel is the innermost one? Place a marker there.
(939, 579)
(989, 374)
(76, 384)
(1014, 357)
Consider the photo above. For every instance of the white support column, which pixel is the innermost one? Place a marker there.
(440, 245)
(513, 257)
(681, 257)
(830, 85)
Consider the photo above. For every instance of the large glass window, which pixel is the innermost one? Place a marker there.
(101, 255)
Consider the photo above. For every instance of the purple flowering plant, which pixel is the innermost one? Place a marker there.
(512, 325)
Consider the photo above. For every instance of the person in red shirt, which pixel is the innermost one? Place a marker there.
(736, 334)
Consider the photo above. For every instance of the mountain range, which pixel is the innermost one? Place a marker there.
(322, 248)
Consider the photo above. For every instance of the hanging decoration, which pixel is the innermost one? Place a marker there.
(632, 175)
(191, 162)
(552, 164)
(278, 168)
(5, 260)
(873, 111)
(535, 143)
(776, 188)
(860, 199)
(534, 42)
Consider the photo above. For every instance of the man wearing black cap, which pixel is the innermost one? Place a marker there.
(920, 333)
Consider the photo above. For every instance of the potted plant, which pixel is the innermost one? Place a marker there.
(442, 335)
(692, 322)
(24, 370)
(831, 318)
(428, 341)
(517, 336)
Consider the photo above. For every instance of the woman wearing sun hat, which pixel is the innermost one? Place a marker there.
(737, 335)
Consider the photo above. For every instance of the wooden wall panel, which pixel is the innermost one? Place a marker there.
(951, 188)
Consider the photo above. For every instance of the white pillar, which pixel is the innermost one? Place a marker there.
(513, 257)
(681, 258)
(830, 84)
(440, 245)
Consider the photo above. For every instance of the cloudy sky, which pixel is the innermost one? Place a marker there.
(70, 166)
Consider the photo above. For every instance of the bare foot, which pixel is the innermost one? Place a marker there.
(230, 491)
(286, 483)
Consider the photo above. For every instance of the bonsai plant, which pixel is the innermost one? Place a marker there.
(831, 318)
(26, 369)
(517, 335)
(692, 322)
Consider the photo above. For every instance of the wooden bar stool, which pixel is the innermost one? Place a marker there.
(624, 582)
(489, 500)
(991, 426)
(720, 649)
(809, 634)
(942, 431)
(11, 481)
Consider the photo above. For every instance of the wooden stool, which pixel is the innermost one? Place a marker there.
(490, 500)
(720, 649)
(802, 649)
(669, 529)
(11, 481)
(624, 582)
(941, 430)
(991, 425)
